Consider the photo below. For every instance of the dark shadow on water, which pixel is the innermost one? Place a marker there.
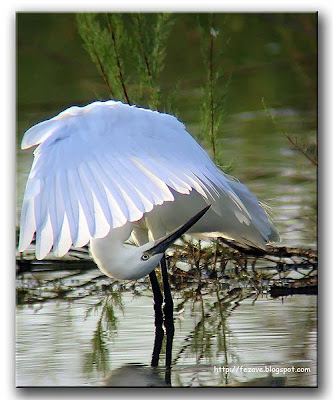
(135, 375)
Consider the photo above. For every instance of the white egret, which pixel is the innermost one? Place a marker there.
(109, 171)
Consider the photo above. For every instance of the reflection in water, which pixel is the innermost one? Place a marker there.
(84, 342)
(139, 375)
(224, 317)
(266, 381)
(212, 322)
(211, 342)
(106, 328)
(135, 375)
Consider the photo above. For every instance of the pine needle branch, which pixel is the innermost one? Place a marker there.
(143, 52)
(95, 55)
(120, 74)
(211, 94)
(216, 86)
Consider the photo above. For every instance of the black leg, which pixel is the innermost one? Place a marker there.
(168, 314)
(159, 333)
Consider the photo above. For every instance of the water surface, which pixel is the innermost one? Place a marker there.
(256, 334)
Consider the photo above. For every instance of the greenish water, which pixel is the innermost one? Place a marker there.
(251, 339)
(55, 339)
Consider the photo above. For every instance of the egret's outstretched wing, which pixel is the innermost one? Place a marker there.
(99, 166)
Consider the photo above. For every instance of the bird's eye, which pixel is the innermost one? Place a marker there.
(145, 257)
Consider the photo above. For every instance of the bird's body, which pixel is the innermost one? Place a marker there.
(109, 171)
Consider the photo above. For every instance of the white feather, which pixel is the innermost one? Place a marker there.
(100, 166)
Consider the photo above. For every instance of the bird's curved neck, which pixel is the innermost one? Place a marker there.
(117, 259)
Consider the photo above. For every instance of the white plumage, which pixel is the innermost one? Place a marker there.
(109, 165)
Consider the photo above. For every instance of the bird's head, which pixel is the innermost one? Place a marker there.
(151, 254)
(137, 262)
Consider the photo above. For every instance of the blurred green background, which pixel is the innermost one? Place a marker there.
(269, 55)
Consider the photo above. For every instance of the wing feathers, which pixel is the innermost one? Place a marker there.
(71, 205)
(83, 190)
(28, 224)
(98, 191)
(102, 165)
(165, 174)
(117, 204)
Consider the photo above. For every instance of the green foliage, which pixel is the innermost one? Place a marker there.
(149, 38)
(128, 51)
(216, 87)
(104, 38)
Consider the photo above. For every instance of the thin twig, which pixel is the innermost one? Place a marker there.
(293, 142)
(104, 76)
(103, 73)
(146, 59)
(299, 148)
(144, 55)
(120, 75)
(211, 59)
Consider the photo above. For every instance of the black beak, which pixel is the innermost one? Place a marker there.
(168, 240)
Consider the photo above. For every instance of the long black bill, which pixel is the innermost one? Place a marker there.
(167, 241)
